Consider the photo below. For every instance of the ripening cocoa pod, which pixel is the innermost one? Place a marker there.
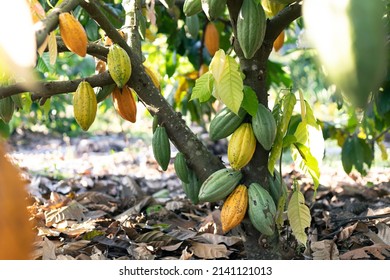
(211, 38)
(73, 34)
(234, 208)
(241, 146)
(119, 65)
(124, 103)
(84, 105)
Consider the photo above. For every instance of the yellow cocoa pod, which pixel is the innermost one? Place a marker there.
(73, 34)
(153, 77)
(278, 43)
(234, 208)
(211, 38)
(119, 65)
(84, 105)
(124, 103)
(241, 146)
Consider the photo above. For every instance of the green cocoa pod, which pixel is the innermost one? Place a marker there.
(264, 127)
(219, 185)
(225, 123)
(349, 37)
(251, 26)
(261, 209)
(191, 189)
(154, 123)
(192, 7)
(161, 147)
(103, 92)
(277, 186)
(213, 8)
(7, 108)
(192, 23)
(181, 167)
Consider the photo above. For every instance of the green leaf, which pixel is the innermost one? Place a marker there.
(5, 131)
(309, 133)
(46, 107)
(298, 215)
(171, 63)
(114, 13)
(288, 140)
(356, 152)
(217, 65)
(203, 87)
(304, 159)
(289, 101)
(250, 101)
(229, 88)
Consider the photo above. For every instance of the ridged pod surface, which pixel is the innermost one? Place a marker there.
(225, 123)
(251, 26)
(181, 167)
(241, 146)
(261, 209)
(124, 103)
(119, 65)
(191, 189)
(161, 147)
(7, 108)
(84, 105)
(213, 8)
(219, 185)
(211, 38)
(73, 34)
(264, 127)
(192, 7)
(234, 208)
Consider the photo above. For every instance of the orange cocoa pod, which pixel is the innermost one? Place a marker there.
(234, 208)
(73, 34)
(211, 38)
(124, 103)
(16, 231)
(279, 41)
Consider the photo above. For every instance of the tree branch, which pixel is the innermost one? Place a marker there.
(199, 158)
(282, 20)
(48, 24)
(49, 89)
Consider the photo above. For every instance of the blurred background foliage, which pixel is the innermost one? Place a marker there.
(176, 55)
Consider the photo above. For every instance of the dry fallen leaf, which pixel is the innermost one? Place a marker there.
(185, 255)
(378, 251)
(324, 250)
(217, 239)
(347, 232)
(209, 251)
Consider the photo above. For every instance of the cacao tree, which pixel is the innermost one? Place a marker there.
(229, 85)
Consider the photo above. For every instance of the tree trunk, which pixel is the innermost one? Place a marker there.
(255, 70)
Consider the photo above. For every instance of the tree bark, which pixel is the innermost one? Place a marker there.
(255, 70)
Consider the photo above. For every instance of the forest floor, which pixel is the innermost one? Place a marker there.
(104, 197)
